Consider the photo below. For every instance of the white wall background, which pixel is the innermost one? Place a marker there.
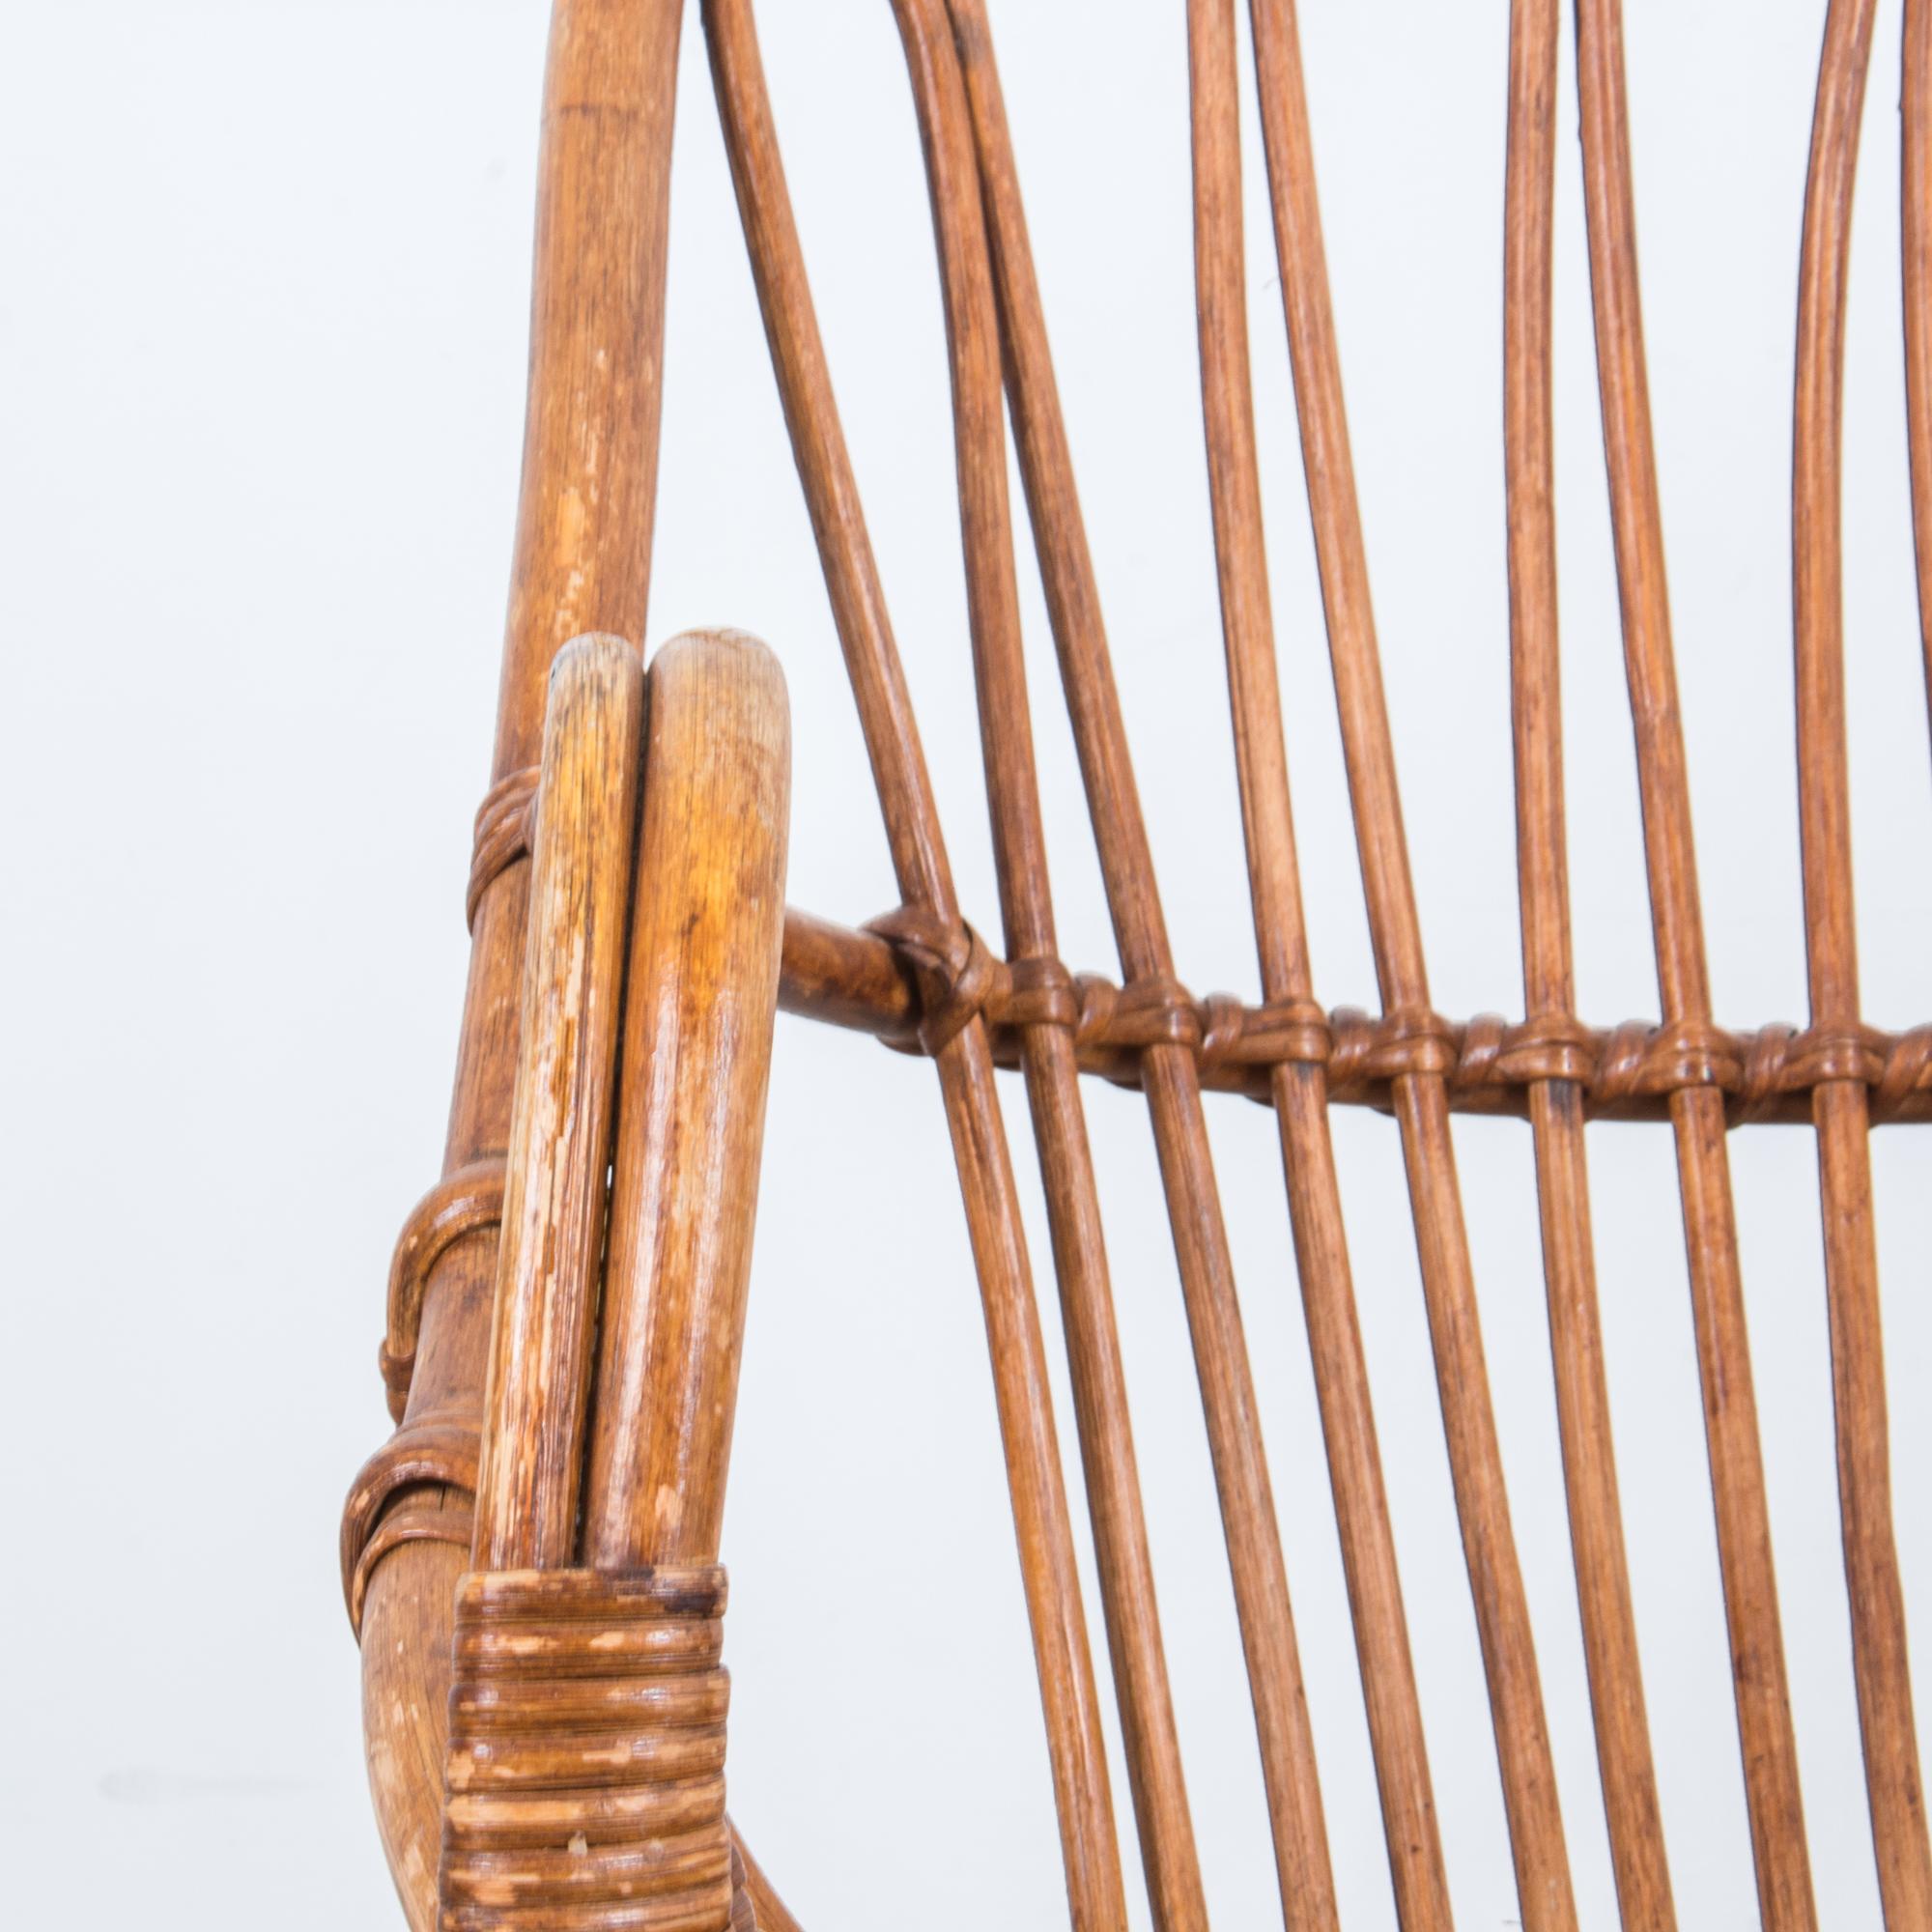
(262, 334)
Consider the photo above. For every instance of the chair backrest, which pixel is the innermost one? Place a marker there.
(1549, 1066)
(922, 978)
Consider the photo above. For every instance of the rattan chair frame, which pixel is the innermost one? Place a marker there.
(562, 1365)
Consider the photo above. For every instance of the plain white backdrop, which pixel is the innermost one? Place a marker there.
(262, 334)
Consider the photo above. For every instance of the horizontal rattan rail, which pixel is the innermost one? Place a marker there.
(859, 980)
(1626, 1073)
(906, 981)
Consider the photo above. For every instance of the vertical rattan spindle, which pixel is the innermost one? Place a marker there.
(1052, 1075)
(1623, 1754)
(1915, 249)
(1300, 1090)
(1697, 1106)
(1044, 1527)
(1169, 1072)
(1840, 1105)
(1419, 1094)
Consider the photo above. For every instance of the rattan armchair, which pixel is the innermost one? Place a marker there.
(531, 1559)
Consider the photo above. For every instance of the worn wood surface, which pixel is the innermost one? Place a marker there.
(550, 1252)
(700, 997)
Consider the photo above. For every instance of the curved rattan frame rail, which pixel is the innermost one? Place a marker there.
(922, 980)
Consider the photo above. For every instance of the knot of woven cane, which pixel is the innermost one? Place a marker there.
(502, 834)
(1780, 1061)
(1278, 1032)
(1546, 1046)
(584, 1774)
(1148, 1012)
(458, 1205)
(1833, 1053)
(957, 975)
(1908, 1070)
(1642, 1062)
(1766, 1075)
(1407, 1040)
(1038, 992)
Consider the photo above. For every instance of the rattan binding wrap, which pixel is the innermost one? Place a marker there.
(586, 1766)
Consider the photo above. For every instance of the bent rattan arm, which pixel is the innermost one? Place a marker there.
(597, 317)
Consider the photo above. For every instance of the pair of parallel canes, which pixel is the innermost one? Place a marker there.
(595, 1775)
